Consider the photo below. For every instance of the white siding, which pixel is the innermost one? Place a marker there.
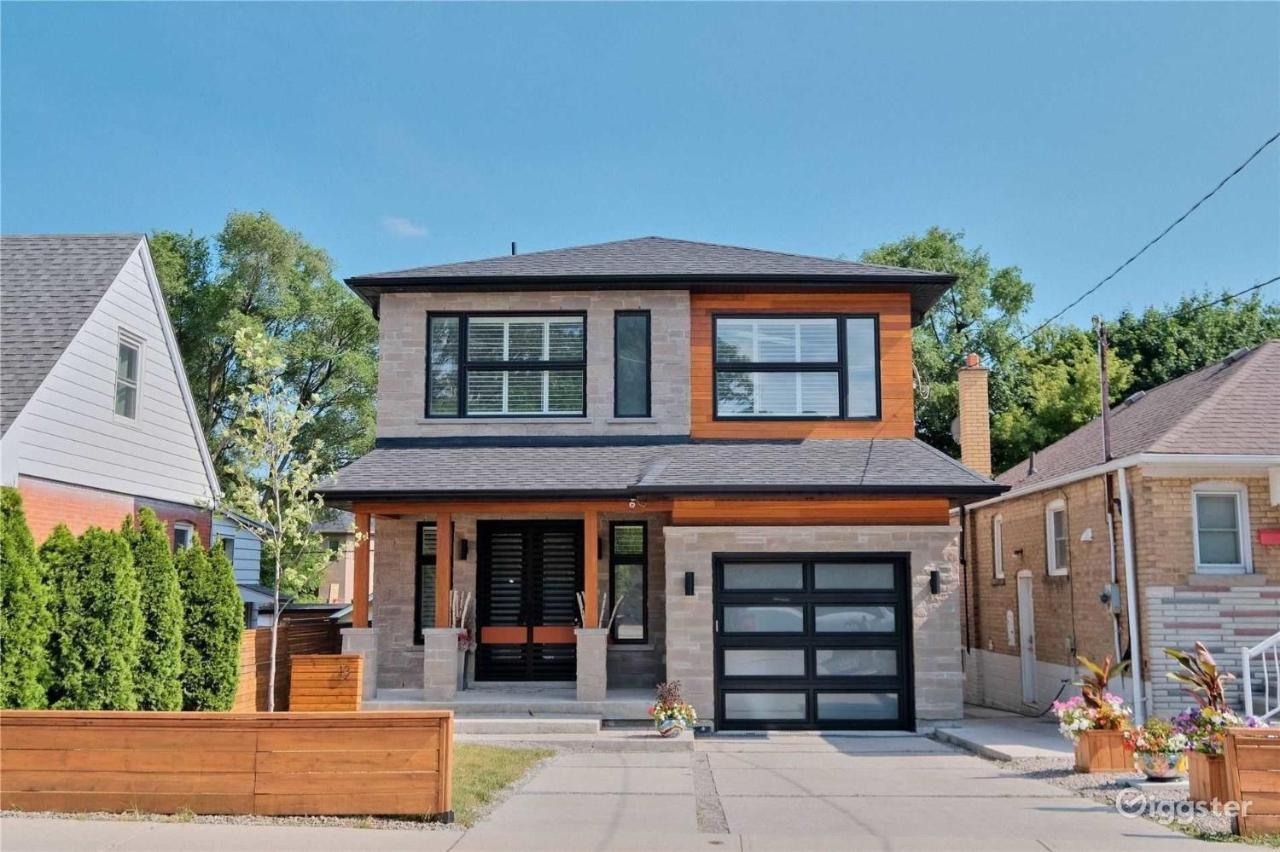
(248, 549)
(69, 432)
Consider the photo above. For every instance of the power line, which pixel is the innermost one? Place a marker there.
(1227, 297)
(1156, 238)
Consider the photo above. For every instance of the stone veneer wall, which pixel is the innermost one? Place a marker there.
(936, 618)
(1225, 617)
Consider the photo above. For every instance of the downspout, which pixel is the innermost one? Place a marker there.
(1111, 552)
(964, 577)
(1131, 595)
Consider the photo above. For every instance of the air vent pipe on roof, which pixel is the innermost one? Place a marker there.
(513, 248)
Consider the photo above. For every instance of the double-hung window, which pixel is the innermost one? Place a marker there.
(506, 365)
(1221, 519)
(128, 373)
(797, 367)
(1057, 553)
(997, 547)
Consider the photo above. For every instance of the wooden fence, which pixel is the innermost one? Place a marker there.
(326, 682)
(228, 763)
(296, 636)
(1253, 778)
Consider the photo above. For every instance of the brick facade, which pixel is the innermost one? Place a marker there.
(48, 504)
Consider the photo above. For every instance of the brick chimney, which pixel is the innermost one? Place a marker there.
(975, 416)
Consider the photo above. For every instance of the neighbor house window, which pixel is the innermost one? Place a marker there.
(631, 358)
(498, 365)
(997, 546)
(1220, 516)
(628, 550)
(796, 367)
(1055, 537)
(228, 545)
(424, 608)
(182, 535)
(128, 370)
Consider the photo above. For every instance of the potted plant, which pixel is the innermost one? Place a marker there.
(1159, 750)
(670, 713)
(1095, 720)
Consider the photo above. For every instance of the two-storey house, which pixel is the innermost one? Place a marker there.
(717, 441)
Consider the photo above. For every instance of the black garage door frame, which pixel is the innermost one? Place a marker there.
(807, 598)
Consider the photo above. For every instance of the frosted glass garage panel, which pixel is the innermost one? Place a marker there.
(781, 706)
(763, 619)
(857, 706)
(744, 576)
(856, 662)
(853, 575)
(867, 618)
(764, 662)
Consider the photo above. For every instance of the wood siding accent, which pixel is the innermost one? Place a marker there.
(590, 567)
(504, 635)
(511, 508)
(1253, 778)
(554, 635)
(325, 682)
(896, 390)
(360, 583)
(444, 567)
(228, 763)
(817, 511)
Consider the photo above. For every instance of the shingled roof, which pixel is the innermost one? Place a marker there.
(831, 466)
(51, 284)
(654, 262)
(1229, 407)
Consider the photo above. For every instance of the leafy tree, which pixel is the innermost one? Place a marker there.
(60, 556)
(213, 623)
(256, 274)
(24, 614)
(274, 490)
(158, 680)
(982, 313)
(1164, 343)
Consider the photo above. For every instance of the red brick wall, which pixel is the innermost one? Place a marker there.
(48, 504)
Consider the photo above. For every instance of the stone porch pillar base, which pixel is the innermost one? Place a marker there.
(593, 675)
(439, 663)
(364, 641)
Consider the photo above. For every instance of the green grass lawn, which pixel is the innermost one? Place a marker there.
(481, 772)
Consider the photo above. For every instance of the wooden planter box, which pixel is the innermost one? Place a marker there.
(326, 682)
(1253, 778)
(1102, 751)
(1207, 774)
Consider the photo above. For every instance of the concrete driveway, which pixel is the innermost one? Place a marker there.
(740, 793)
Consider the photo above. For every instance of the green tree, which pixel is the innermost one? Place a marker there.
(274, 490)
(60, 555)
(256, 274)
(982, 313)
(1164, 343)
(158, 680)
(24, 610)
(213, 623)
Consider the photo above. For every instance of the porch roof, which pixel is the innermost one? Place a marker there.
(428, 469)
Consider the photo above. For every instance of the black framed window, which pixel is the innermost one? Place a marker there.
(506, 365)
(628, 580)
(631, 359)
(424, 580)
(811, 367)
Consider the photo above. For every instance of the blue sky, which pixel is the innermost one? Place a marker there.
(1059, 137)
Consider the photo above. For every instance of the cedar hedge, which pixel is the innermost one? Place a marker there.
(24, 610)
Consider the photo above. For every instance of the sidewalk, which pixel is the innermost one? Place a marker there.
(999, 735)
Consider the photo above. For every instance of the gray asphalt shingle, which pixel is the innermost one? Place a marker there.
(49, 285)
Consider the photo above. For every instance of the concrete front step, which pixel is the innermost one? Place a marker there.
(525, 725)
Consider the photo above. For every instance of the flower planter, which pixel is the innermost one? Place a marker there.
(1102, 751)
(668, 727)
(1160, 765)
(1207, 774)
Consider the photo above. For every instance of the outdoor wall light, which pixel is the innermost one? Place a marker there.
(688, 583)
(463, 549)
(935, 581)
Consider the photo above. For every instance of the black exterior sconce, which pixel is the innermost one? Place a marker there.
(688, 583)
(463, 549)
(935, 581)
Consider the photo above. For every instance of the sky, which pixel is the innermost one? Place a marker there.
(1058, 137)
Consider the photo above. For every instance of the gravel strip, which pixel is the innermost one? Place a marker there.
(239, 819)
(711, 818)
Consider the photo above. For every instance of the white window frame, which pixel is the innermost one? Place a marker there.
(189, 529)
(1221, 489)
(223, 542)
(997, 547)
(1052, 568)
(124, 337)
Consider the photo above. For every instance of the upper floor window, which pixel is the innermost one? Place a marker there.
(497, 365)
(797, 367)
(997, 547)
(1055, 538)
(128, 373)
(631, 359)
(1220, 518)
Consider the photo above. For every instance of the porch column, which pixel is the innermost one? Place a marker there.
(592, 640)
(591, 567)
(360, 638)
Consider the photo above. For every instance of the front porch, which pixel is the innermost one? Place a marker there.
(546, 701)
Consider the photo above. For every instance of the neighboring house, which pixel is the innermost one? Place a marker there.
(1049, 562)
(96, 419)
(242, 546)
(721, 439)
(339, 533)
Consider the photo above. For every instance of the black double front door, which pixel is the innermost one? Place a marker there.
(528, 575)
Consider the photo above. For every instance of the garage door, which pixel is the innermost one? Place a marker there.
(813, 641)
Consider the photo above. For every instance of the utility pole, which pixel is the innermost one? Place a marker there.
(1104, 385)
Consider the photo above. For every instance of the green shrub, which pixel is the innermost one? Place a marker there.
(158, 679)
(110, 596)
(24, 610)
(60, 556)
(213, 622)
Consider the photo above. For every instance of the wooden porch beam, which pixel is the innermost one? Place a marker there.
(591, 566)
(509, 508)
(360, 582)
(444, 566)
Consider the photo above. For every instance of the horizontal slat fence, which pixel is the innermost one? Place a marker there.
(325, 682)
(296, 636)
(228, 763)
(1253, 778)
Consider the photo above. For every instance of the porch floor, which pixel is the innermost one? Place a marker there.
(528, 700)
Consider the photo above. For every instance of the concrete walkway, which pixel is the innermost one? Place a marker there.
(776, 792)
(1007, 736)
